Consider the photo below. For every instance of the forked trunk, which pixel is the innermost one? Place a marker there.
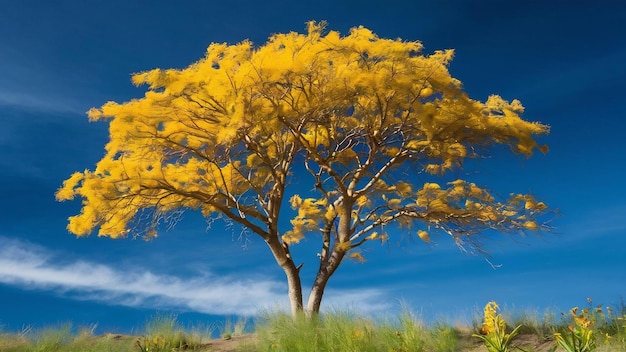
(323, 275)
(329, 264)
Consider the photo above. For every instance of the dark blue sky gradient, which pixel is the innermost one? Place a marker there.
(563, 59)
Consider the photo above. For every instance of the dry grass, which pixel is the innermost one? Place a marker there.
(334, 331)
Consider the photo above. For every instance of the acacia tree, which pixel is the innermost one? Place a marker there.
(361, 115)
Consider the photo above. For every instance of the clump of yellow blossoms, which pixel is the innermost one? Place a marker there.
(493, 330)
(579, 336)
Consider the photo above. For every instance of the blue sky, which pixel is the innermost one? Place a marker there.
(563, 59)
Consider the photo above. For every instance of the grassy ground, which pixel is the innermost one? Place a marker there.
(334, 331)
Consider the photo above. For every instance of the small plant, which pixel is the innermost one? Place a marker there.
(231, 329)
(616, 330)
(443, 338)
(533, 322)
(52, 339)
(493, 331)
(410, 333)
(164, 335)
(578, 337)
(163, 343)
(152, 343)
(583, 328)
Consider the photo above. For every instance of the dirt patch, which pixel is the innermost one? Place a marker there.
(233, 344)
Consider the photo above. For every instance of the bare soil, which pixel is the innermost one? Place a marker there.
(234, 344)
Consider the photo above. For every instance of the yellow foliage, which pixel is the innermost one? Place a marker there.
(458, 189)
(373, 236)
(67, 191)
(475, 191)
(295, 201)
(345, 156)
(361, 201)
(417, 144)
(437, 205)
(290, 238)
(531, 225)
(394, 203)
(310, 212)
(403, 189)
(330, 213)
(532, 204)
(434, 169)
(344, 246)
(357, 256)
(457, 150)
(431, 187)
(227, 131)
(492, 321)
(423, 235)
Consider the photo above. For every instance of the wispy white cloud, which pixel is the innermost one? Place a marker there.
(30, 266)
(28, 85)
(39, 103)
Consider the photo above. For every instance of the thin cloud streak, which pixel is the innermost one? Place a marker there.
(35, 269)
(30, 102)
(29, 86)
(29, 266)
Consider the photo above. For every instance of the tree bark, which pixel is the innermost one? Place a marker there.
(284, 260)
(323, 275)
(295, 291)
(329, 265)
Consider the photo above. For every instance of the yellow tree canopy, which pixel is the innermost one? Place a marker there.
(228, 134)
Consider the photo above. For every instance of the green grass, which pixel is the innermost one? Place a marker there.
(335, 330)
(345, 331)
(230, 329)
(62, 339)
(162, 334)
(536, 323)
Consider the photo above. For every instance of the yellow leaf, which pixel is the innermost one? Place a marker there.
(404, 189)
(531, 225)
(362, 201)
(431, 187)
(423, 235)
(394, 203)
(358, 256)
(295, 201)
(457, 150)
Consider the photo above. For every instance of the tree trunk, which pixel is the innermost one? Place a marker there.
(323, 275)
(284, 260)
(329, 265)
(295, 290)
(315, 299)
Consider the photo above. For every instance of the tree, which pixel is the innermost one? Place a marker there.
(360, 115)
